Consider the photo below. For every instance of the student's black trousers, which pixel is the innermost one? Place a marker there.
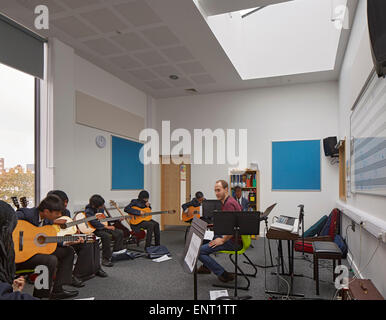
(151, 227)
(88, 262)
(106, 236)
(59, 262)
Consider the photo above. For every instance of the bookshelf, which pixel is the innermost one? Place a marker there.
(249, 181)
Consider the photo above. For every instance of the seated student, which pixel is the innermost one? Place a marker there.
(243, 202)
(88, 263)
(96, 205)
(195, 202)
(220, 243)
(150, 226)
(58, 263)
(10, 288)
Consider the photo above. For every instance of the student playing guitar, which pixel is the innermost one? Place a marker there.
(88, 262)
(150, 226)
(61, 261)
(96, 205)
(196, 203)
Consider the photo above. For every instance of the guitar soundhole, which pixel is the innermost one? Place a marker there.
(41, 239)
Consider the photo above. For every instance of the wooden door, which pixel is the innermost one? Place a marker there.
(172, 180)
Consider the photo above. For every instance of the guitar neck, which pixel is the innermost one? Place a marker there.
(63, 239)
(74, 223)
(154, 213)
(113, 218)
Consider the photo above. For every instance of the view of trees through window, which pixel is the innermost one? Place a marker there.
(17, 135)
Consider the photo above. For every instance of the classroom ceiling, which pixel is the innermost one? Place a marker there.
(143, 42)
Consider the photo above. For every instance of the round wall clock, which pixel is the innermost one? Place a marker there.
(100, 141)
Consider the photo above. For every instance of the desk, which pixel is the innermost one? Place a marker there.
(281, 235)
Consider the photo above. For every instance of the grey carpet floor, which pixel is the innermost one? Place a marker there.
(144, 279)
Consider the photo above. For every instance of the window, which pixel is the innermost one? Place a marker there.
(19, 106)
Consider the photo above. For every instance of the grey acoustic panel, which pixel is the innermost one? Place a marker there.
(166, 71)
(101, 115)
(181, 82)
(53, 7)
(75, 4)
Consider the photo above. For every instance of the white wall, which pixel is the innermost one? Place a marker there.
(80, 167)
(296, 112)
(355, 70)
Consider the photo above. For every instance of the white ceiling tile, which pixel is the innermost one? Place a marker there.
(181, 82)
(125, 62)
(52, 6)
(73, 27)
(160, 36)
(202, 79)
(166, 71)
(143, 74)
(150, 58)
(177, 54)
(130, 41)
(75, 4)
(104, 19)
(102, 46)
(157, 84)
(138, 13)
(191, 67)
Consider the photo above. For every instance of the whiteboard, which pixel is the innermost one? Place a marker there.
(368, 139)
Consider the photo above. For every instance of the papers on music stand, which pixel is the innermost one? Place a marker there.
(214, 294)
(165, 257)
(209, 235)
(194, 247)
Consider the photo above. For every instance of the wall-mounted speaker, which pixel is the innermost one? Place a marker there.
(329, 147)
(376, 16)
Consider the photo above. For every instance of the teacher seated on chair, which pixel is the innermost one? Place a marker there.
(220, 243)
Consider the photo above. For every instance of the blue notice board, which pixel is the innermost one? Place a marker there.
(127, 169)
(296, 165)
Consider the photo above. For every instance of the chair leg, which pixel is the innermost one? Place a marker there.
(333, 269)
(241, 274)
(252, 264)
(316, 266)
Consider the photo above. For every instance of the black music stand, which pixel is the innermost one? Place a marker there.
(301, 221)
(236, 223)
(191, 251)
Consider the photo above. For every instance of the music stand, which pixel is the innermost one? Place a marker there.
(264, 216)
(236, 223)
(208, 207)
(192, 249)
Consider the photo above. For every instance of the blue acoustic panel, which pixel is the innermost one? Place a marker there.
(296, 165)
(127, 169)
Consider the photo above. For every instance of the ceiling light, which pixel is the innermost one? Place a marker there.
(173, 77)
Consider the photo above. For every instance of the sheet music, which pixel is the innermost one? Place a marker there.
(192, 253)
(214, 294)
(165, 257)
(209, 235)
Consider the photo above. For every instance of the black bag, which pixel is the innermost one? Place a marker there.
(126, 255)
(155, 252)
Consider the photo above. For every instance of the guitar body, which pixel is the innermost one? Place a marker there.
(192, 212)
(85, 228)
(138, 219)
(67, 231)
(29, 240)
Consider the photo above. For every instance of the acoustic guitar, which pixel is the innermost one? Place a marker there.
(192, 212)
(146, 214)
(85, 227)
(30, 240)
(66, 226)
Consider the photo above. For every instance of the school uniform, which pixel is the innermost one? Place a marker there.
(105, 234)
(151, 227)
(88, 261)
(7, 293)
(60, 262)
(242, 202)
